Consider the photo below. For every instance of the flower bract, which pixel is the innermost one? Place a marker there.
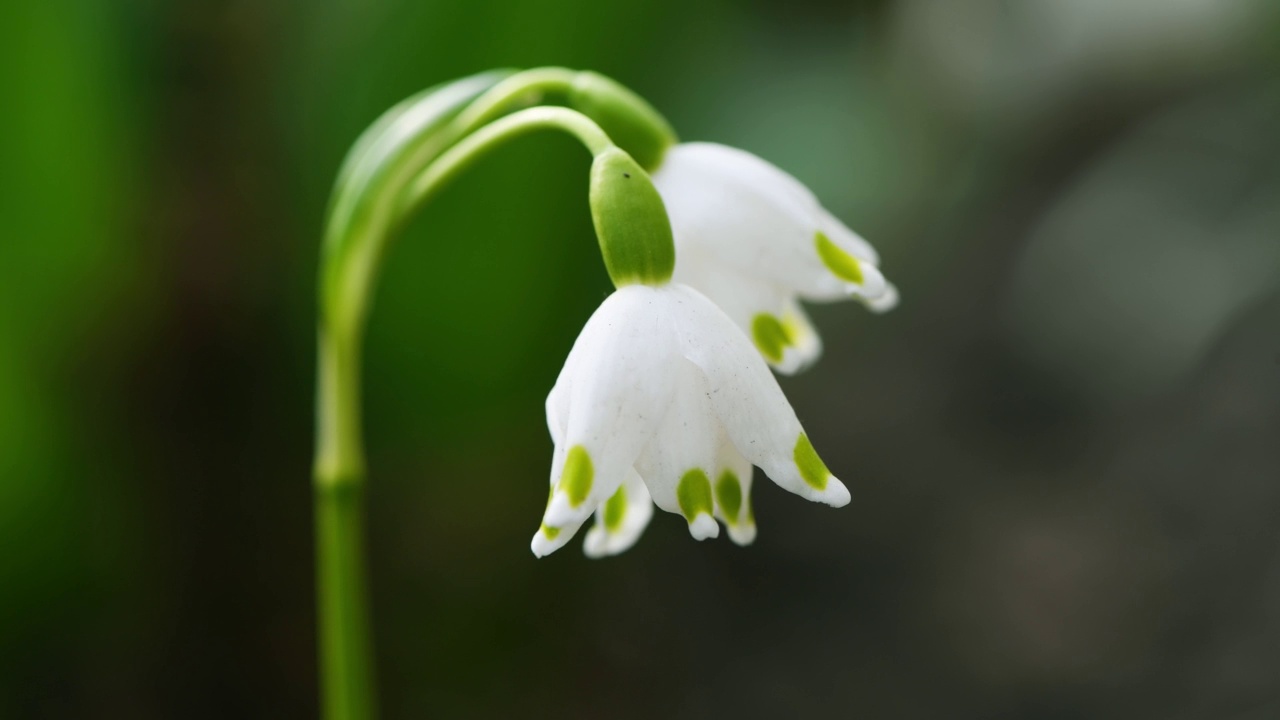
(756, 242)
(664, 401)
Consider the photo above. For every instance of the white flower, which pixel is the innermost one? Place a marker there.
(663, 397)
(755, 241)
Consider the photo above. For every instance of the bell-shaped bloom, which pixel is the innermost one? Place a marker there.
(756, 242)
(663, 400)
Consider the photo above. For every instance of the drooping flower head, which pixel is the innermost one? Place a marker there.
(664, 398)
(756, 241)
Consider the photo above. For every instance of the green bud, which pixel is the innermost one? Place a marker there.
(631, 221)
(631, 122)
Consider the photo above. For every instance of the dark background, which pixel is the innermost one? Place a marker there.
(1064, 446)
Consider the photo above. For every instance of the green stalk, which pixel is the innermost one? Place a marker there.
(347, 649)
(395, 148)
(461, 156)
(366, 211)
(346, 645)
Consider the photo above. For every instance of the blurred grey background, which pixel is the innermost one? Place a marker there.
(1063, 446)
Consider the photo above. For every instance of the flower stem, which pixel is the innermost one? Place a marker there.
(529, 86)
(347, 674)
(369, 209)
(346, 648)
(459, 157)
(358, 228)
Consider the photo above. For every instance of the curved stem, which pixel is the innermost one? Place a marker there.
(528, 87)
(461, 156)
(346, 648)
(531, 87)
(377, 167)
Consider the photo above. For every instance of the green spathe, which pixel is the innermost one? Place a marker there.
(626, 117)
(812, 469)
(631, 221)
(694, 494)
(577, 476)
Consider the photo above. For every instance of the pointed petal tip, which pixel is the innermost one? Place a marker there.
(851, 241)
(791, 363)
(541, 546)
(560, 511)
(704, 527)
(600, 542)
(885, 302)
(595, 545)
(786, 369)
(835, 494)
(742, 534)
(551, 538)
(873, 282)
(795, 359)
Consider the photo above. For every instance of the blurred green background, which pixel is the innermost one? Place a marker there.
(1064, 446)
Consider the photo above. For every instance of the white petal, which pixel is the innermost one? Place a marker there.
(768, 314)
(733, 493)
(832, 281)
(557, 404)
(557, 425)
(619, 391)
(712, 160)
(740, 296)
(747, 400)
(549, 539)
(885, 302)
(678, 463)
(847, 239)
(805, 345)
(739, 211)
(558, 407)
(621, 520)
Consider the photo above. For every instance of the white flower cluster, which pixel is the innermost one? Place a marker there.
(667, 397)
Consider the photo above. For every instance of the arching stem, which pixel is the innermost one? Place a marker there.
(471, 148)
(348, 278)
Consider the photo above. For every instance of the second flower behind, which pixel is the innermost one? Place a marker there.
(756, 241)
